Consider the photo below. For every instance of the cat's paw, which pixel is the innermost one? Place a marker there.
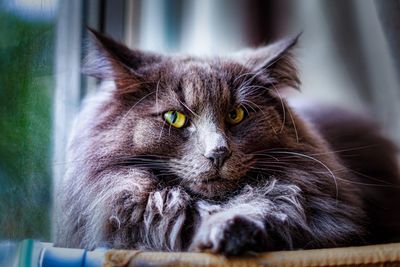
(234, 236)
(164, 218)
(166, 202)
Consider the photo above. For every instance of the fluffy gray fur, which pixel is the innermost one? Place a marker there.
(279, 179)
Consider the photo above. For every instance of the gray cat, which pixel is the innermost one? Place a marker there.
(179, 153)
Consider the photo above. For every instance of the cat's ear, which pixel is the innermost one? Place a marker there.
(108, 59)
(275, 62)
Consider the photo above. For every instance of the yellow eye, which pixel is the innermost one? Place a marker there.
(235, 116)
(175, 118)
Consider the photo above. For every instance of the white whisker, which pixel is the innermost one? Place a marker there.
(137, 102)
(316, 160)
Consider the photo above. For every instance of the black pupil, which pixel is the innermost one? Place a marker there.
(173, 117)
(233, 114)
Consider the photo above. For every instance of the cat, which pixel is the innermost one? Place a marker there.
(183, 153)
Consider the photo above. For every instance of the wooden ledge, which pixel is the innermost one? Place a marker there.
(375, 255)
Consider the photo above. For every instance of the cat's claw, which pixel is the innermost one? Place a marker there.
(167, 201)
(234, 236)
(164, 217)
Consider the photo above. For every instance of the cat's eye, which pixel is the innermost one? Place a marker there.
(235, 116)
(175, 118)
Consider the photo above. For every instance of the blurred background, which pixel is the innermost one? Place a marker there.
(348, 55)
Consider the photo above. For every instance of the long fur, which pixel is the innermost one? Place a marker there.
(285, 180)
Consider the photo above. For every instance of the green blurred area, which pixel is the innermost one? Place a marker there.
(26, 91)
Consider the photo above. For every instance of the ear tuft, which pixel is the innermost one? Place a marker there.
(108, 59)
(276, 62)
(102, 57)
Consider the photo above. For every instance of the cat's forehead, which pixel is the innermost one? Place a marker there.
(204, 84)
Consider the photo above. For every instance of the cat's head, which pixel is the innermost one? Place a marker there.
(198, 122)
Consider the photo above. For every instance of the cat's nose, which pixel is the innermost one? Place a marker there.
(218, 156)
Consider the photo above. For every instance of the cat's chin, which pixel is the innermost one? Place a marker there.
(211, 188)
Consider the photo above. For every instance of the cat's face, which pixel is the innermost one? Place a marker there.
(206, 123)
(199, 123)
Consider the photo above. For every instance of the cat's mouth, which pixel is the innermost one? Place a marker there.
(211, 182)
(211, 187)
